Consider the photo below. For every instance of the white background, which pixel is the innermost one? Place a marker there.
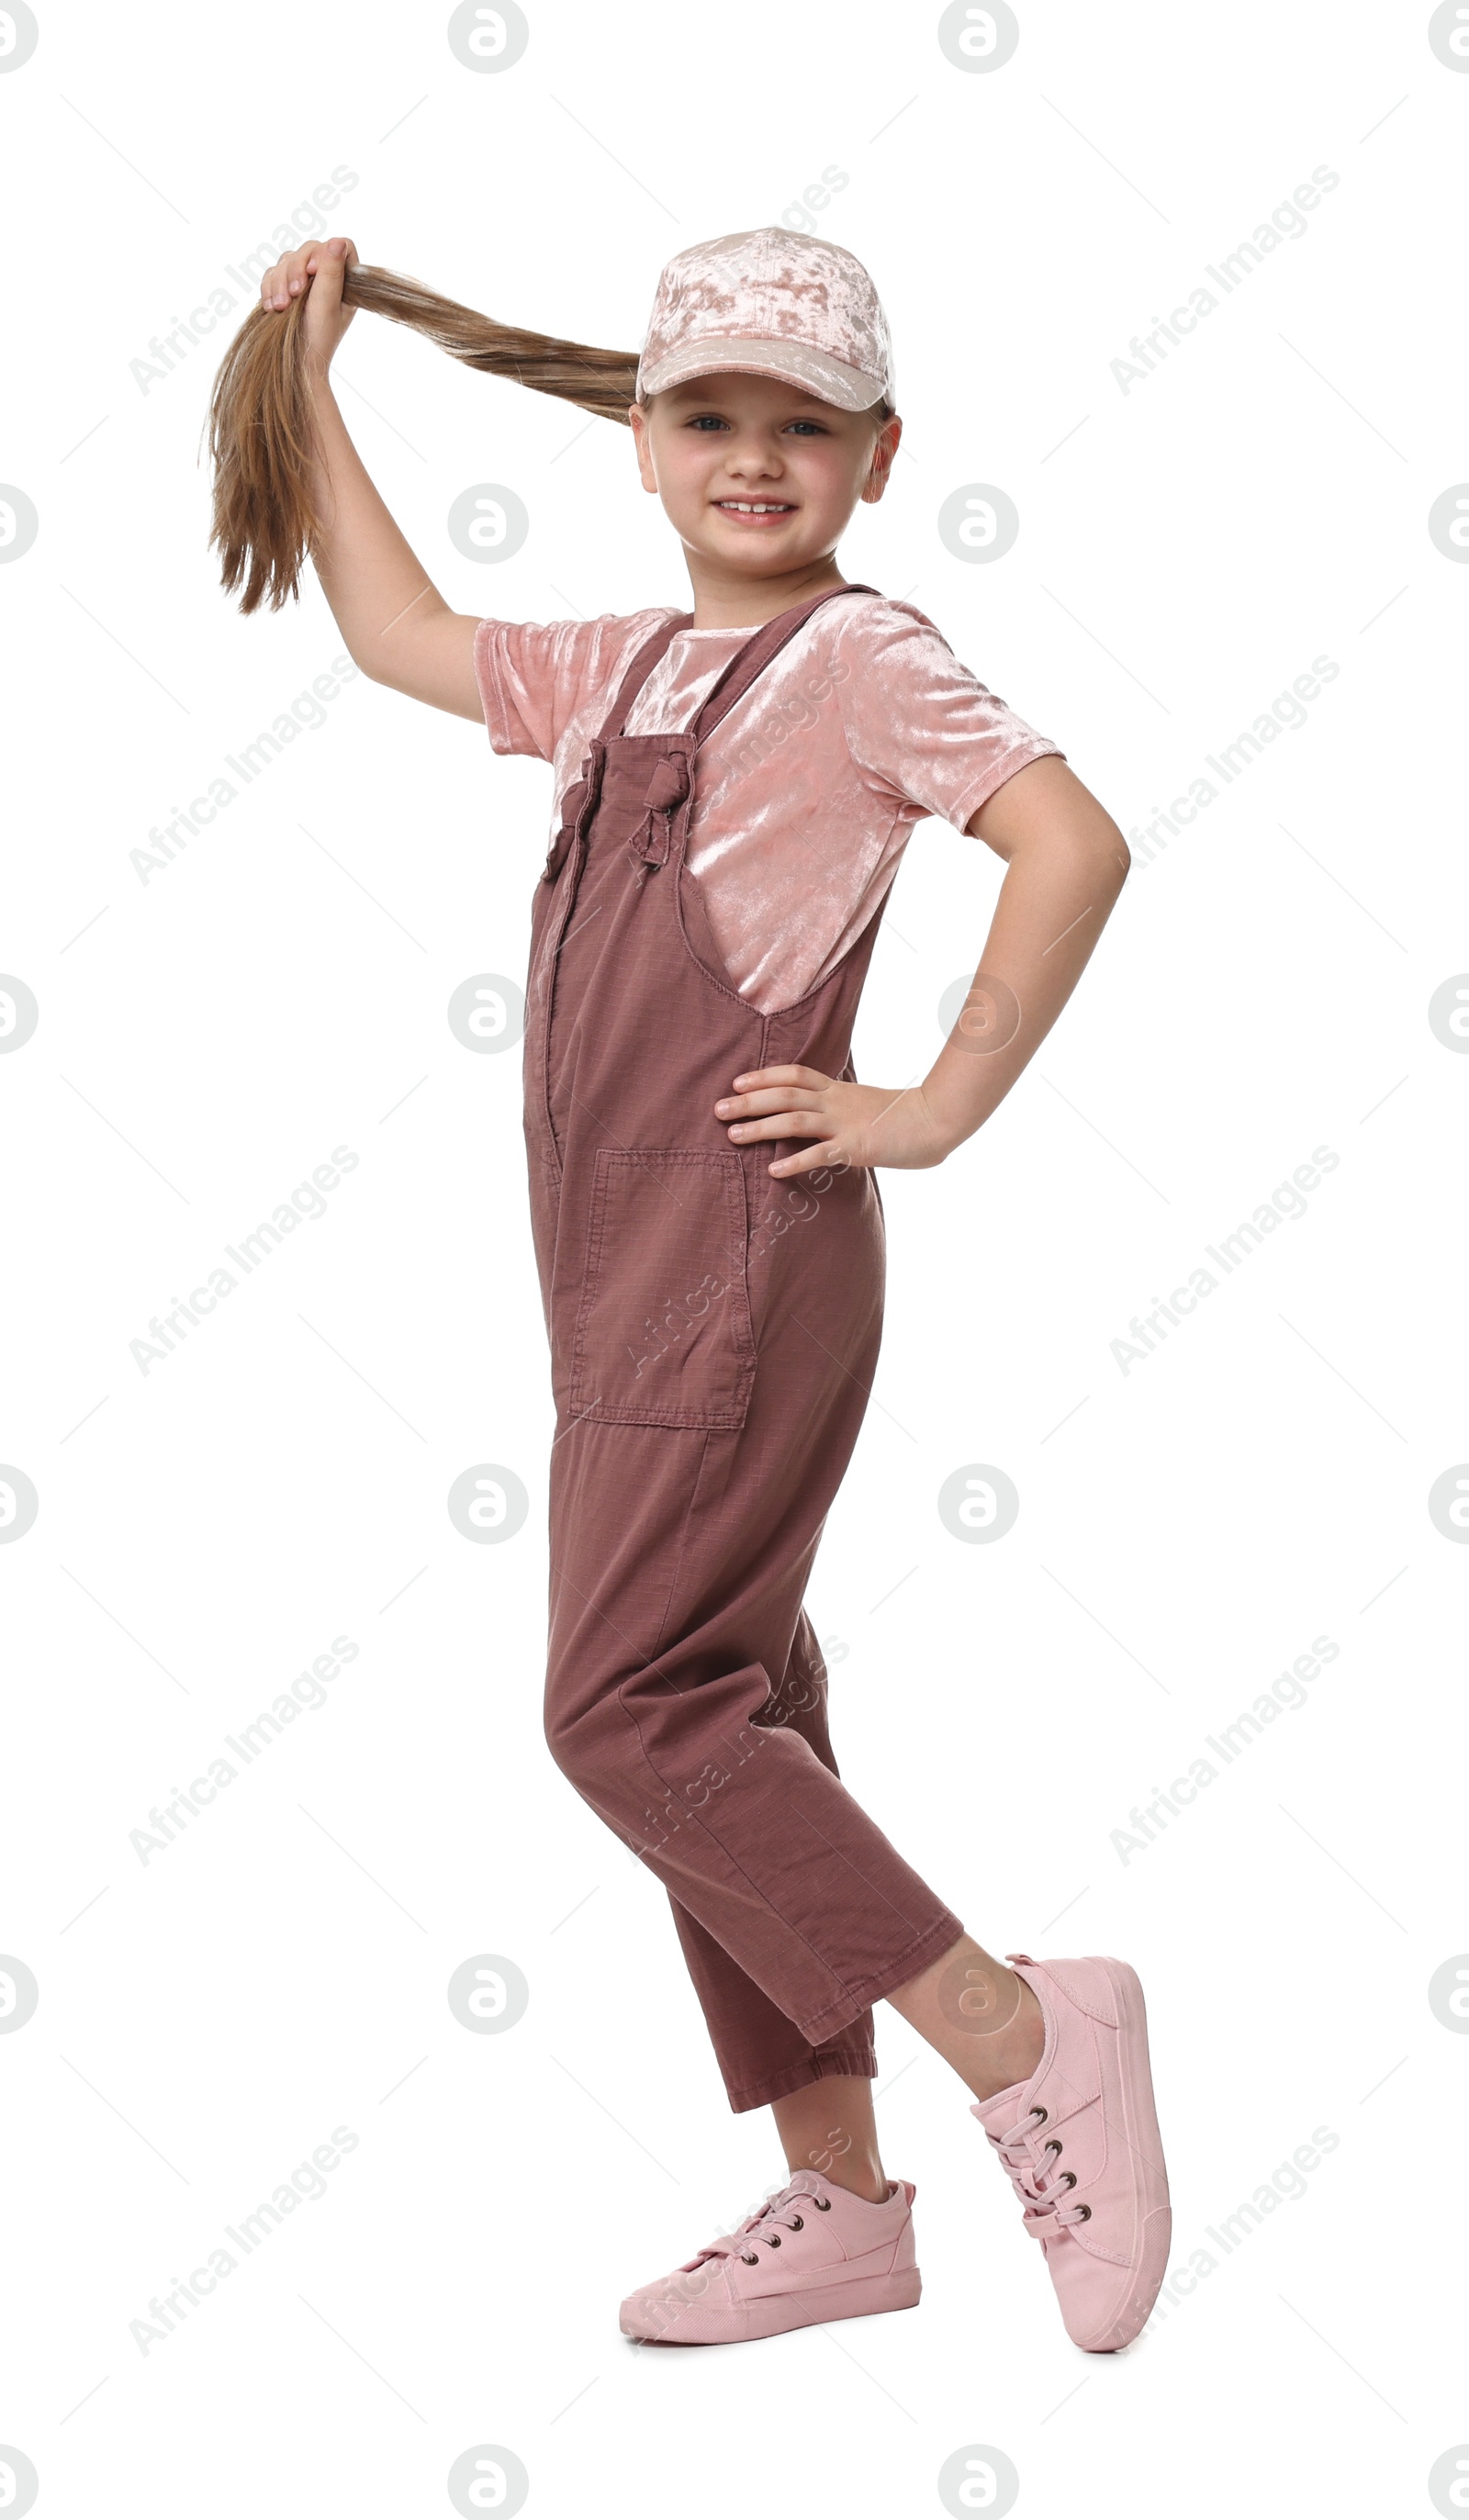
(207, 1037)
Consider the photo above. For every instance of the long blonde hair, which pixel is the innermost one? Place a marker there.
(260, 437)
(260, 440)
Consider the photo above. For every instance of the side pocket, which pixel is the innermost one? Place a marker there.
(662, 1332)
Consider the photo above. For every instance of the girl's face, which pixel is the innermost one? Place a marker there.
(757, 479)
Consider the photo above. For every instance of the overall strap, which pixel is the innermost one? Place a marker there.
(756, 653)
(576, 798)
(638, 672)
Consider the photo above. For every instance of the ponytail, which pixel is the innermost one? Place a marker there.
(261, 426)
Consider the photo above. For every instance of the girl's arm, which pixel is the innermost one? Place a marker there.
(396, 626)
(1066, 864)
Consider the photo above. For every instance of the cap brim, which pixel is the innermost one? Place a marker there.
(789, 363)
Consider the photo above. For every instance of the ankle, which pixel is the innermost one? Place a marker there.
(862, 2174)
(1012, 2056)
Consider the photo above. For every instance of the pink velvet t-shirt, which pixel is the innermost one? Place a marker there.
(807, 791)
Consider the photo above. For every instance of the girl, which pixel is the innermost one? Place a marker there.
(735, 787)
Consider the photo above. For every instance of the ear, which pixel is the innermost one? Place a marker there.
(882, 458)
(638, 419)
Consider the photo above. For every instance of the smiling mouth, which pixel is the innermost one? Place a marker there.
(756, 506)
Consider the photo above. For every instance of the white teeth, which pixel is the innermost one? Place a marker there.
(757, 507)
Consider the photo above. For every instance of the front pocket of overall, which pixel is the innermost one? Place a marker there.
(662, 1329)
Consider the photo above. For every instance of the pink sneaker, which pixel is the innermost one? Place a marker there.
(811, 2254)
(1081, 2143)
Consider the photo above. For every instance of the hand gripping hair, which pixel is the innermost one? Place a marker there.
(261, 441)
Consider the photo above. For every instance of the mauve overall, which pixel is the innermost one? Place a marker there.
(713, 1337)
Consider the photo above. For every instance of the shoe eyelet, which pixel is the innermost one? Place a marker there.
(1040, 2116)
(774, 2239)
(1084, 2211)
(798, 2222)
(1069, 2179)
(748, 2258)
(823, 2204)
(1051, 2145)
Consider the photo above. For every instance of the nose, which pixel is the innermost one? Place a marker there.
(753, 458)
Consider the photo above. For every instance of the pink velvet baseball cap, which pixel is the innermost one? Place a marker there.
(770, 302)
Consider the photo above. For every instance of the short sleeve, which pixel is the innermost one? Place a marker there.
(535, 677)
(920, 727)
